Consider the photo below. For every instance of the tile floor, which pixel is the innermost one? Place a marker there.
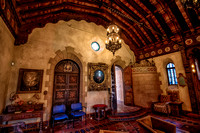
(94, 126)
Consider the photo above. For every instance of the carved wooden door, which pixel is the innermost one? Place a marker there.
(66, 83)
(128, 90)
(113, 87)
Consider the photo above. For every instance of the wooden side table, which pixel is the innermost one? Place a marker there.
(21, 116)
(176, 108)
(100, 112)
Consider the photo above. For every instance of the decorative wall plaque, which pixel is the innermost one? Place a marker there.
(181, 80)
(98, 76)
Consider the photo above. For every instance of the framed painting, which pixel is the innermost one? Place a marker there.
(29, 81)
(98, 76)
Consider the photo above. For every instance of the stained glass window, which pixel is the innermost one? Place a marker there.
(95, 46)
(171, 72)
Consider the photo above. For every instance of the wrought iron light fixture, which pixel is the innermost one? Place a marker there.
(113, 42)
(191, 3)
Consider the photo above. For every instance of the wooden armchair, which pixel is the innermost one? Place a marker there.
(155, 125)
(163, 105)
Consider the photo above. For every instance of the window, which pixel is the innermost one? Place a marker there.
(95, 46)
(171, 72)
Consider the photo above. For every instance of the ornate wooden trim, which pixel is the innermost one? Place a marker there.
(95, 86)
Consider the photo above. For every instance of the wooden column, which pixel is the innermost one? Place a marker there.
(189, 75)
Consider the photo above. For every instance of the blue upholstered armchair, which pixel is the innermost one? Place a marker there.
(59, 113)
(77, 111)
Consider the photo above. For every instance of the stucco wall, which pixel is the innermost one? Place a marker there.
(42, 45)
(161, 63)
(146, 86)
(6, 54)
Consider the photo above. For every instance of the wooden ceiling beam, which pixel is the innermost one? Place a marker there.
(143, 20)
(130, 9)
(161, 9)
(181, 8)
(116, 7)
(107, 16)
(150, 14)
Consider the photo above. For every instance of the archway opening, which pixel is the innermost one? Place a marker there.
(119, 86)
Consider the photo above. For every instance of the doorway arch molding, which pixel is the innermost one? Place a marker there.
(119, 62)
(68, 53)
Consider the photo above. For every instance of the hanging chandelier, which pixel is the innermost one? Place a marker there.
(191, 3)
(113, 42)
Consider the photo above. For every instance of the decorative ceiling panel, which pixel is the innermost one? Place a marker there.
(150, 27)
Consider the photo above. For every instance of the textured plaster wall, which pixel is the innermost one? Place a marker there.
(161, 63)
(146, 88)
(43, 46)
(6, 55)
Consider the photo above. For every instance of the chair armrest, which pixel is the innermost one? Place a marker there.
(154, 102)
(146, 126)
(163, 125)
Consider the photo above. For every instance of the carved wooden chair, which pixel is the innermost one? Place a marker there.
(162, 106)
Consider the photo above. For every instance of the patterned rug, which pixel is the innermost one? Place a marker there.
(95, 127)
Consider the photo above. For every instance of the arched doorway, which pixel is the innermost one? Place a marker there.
(66, 83)
(119, 85)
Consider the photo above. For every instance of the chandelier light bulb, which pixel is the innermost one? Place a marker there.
(110, 38)
(120, 40)
(117, 38)
(106, 41)
(193, 70)
(192, 65)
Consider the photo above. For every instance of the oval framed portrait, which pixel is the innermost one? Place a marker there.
(98, 76)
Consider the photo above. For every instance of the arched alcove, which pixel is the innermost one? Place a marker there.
(70, 54)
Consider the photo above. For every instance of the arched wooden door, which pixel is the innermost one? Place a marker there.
(66, 83)
(128, 87)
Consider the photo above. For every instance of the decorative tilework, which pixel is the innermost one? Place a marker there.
(144, 69)
(160, 51)
(188, 41)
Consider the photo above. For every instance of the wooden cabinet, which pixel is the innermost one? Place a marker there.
(20, 116)
(23, 108)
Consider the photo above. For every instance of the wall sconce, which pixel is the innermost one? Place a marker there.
(12, 63)
(193, 68)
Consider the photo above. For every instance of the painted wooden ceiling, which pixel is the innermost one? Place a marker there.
(150, 27)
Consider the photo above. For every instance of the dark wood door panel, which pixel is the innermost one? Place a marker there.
(66, 85)
(128, 90)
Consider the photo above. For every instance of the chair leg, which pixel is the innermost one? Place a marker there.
(85, 119)
(67, 124)
(73, 121)
(53, 124)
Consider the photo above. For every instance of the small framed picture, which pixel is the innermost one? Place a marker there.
(29, 81)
